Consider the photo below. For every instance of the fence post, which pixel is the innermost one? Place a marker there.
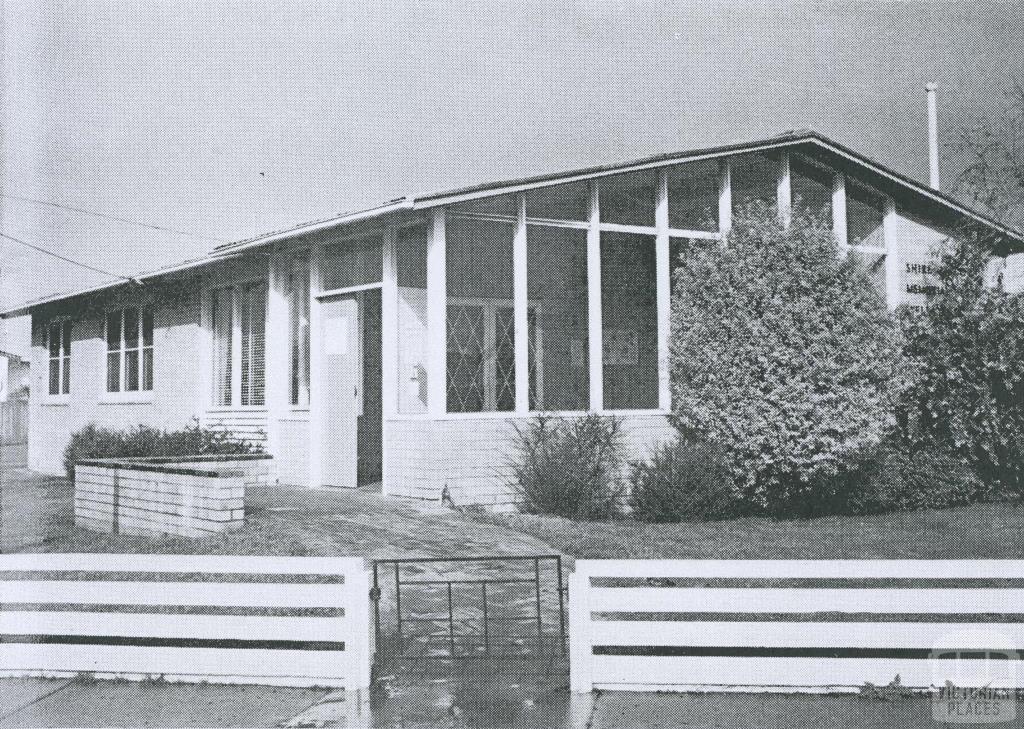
(580, 649)
(358, 579)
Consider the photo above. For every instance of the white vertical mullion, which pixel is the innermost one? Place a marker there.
(490, 314)
(892, 256)
(784, 190)
(724, 196)
(595, 334)
(122, 354)
(520, 316)
(839, 224)
(316, 374)
(663, 289)
(277, 350)
(437, 307)
(389, 323)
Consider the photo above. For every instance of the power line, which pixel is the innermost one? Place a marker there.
(63, 258)
(83, 211)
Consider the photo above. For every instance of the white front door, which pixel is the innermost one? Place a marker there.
(342, 352)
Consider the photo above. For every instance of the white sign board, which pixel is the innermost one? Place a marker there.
(4, 366)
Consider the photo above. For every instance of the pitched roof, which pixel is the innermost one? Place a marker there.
(804, 137)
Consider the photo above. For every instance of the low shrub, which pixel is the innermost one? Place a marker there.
(143, 441)
(568, 467)
(684, 480)
(897, 479)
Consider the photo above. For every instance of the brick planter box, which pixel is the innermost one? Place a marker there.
(192, 496)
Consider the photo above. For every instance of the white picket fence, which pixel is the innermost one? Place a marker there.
(220, 619)
(832, 626)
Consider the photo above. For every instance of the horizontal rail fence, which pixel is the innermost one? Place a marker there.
(828, 625)
(286, 621)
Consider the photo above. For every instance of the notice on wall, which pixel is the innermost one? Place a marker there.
(3, 378)
(621, 347)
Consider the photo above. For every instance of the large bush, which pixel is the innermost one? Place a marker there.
(897, 479)
(783, 352)
(146, 442)
(684, 480)
(568, 467)
(967, 351)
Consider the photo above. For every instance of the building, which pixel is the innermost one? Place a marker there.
(404, 342)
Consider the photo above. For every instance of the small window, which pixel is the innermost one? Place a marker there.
(356, 262)
(693, 196)
(569, 201)
(59, 347)
(628, 199)
(129, 338)
(239, 313)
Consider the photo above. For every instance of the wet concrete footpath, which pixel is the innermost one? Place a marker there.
(448, 703)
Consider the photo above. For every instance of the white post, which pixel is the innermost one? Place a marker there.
(581, 677)
(437, 315)
(595, 335)
(893, 259)
(784, 191)
(357, 587)
(724, 196)
(520, 316)
(278, 345)
(933, 137)
(839, 213)
(316, 374)
(389, 324)
(389, 346)
(663, 291)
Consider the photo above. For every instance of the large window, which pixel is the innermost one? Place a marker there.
(629, 316)
(557, 288)
(480, 332)
(297, 296)
(129, 334)
(238, 322)
(59, 346)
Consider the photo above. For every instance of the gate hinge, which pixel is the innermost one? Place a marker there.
(375, 594)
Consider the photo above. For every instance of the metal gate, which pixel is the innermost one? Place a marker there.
(444, 610)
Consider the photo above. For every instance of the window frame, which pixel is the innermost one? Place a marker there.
(122, 394)
(296, 339)
(234, 363)
(489, 355)
(64, 326)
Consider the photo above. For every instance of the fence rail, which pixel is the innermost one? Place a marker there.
(290, 621)
(796, 625)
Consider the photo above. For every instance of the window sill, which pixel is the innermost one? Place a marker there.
(126, 398)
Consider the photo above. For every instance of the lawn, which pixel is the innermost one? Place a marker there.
(991, 531)
(37, 517)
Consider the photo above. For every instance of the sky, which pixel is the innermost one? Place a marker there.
(221, 120)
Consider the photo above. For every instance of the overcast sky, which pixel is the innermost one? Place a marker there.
(225, 119)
